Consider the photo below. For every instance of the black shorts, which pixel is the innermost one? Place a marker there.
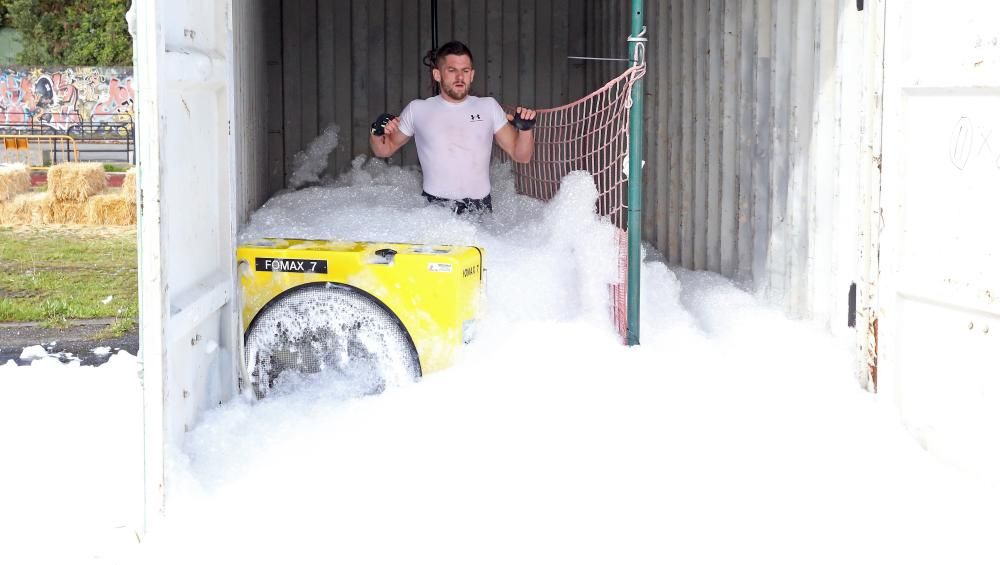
(470, 205)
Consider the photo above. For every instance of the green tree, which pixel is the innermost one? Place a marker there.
(71, 32)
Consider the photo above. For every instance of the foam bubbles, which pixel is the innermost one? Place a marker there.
(34, 352)
(729, 423)
(309, 164)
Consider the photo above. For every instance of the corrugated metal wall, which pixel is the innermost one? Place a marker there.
(761, 131)
(607, 25)
(347, 61)
(760, 145)
(250, 118)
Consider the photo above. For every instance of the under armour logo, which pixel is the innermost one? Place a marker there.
(475, 118)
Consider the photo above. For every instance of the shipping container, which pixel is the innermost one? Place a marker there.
(834, 157)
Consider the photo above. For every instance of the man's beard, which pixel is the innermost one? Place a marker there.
(455, 95)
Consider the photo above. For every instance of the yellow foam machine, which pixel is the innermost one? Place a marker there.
(385, 311)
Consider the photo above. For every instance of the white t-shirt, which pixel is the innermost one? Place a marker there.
(454, 142)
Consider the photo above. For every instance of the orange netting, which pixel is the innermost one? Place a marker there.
(590, 134)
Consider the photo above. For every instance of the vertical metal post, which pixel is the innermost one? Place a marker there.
(434, 36)
(635, 154)
(434, 24)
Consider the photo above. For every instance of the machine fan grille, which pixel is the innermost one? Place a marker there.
(330, 330)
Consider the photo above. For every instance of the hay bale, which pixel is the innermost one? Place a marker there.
(14, 180)
(29, 208)
(111, 208)
(66, 212)
(128, 185)
(76, 182)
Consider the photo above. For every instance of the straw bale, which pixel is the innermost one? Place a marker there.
(76, 182)
(111, 208)
(14, 180)
(29, 208)
(128, 185)
(66, 212)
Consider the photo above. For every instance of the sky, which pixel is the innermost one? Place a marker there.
(730, 435)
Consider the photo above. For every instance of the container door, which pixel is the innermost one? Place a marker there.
(187, 235)
(939, 358)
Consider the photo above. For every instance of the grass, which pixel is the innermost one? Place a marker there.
(54, 275)
(120, 327)
(113, 168)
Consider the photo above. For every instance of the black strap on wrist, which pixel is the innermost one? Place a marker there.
(378, 126)
(520, 123)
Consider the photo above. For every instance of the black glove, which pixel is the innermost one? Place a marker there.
(521, 123)
(378, 126)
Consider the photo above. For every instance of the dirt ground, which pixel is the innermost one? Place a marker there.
(76, 341)
(72, 229)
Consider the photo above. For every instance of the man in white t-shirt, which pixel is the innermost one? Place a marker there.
(454, 133)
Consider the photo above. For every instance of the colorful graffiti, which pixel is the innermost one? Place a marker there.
(62, 98)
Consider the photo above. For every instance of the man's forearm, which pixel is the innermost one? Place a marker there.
(524, 146)
(380, 146)
(386, 138)
(386, 145)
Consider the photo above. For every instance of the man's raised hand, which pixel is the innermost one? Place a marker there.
(385, 124)
(523, 119)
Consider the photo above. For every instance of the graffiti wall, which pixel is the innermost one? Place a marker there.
(60, 98)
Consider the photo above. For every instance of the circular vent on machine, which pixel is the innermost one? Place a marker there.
(328, 330)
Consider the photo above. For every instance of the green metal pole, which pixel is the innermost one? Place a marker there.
(635, 142)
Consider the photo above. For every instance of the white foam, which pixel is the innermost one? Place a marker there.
(71, 478)
(34, 352)
(731, 435)
(310, 163)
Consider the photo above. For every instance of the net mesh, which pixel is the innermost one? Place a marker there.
(590, 134)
